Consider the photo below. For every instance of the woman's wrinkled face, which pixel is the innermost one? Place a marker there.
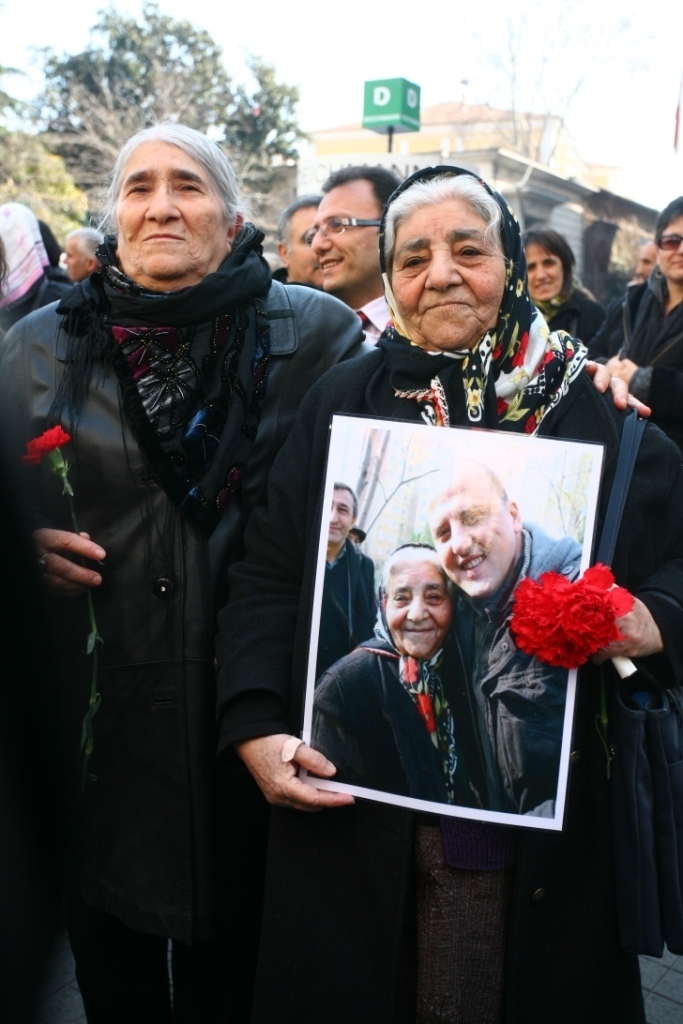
(172, 230)
(546, 273)
(447, 280)
(418, 609)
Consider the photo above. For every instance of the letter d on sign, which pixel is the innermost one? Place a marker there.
(381, 96)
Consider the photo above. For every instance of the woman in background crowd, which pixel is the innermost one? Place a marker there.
(642, 339)
(555, 290)
(28, 285)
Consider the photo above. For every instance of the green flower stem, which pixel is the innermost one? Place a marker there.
(601, 723)
(87, 738)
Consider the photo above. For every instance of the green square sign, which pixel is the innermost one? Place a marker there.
(392, 103)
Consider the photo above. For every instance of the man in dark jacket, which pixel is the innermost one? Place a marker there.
(642, 339)
(517, 702)
(348, 610)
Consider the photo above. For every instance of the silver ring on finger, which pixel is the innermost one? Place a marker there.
(42, 565)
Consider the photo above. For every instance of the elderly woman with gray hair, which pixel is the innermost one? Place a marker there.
(374, 914)
(178, 369)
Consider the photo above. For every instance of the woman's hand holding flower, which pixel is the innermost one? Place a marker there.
(64, 576)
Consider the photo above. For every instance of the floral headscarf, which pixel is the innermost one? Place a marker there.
(515, 374)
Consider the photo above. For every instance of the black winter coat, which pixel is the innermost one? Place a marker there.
(366, 723)
(338, 930)
(343, 628)
(581, 316)
(170, 845)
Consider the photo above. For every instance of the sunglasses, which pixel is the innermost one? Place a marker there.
(670, 243)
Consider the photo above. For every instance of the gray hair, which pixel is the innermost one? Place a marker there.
(411, 553)
(302, 203)
(438, 190)
(88, 238)
(208, 155)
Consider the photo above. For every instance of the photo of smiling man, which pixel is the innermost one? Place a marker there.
(514, 703)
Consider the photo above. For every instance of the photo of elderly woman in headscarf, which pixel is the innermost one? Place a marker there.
(178, 388)
(381, 714)
(29, 284)
(412, 920)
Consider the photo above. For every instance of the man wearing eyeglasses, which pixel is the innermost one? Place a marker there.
(642, 340)
(344, 240)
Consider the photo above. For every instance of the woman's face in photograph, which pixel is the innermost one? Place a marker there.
(418, 609)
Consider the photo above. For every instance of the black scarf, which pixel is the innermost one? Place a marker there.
(192, 367)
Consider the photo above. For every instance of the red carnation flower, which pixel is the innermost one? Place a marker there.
(502, 406)
(563, 623)
(50, 439)
(424, 704)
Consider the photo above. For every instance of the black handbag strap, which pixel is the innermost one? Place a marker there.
(628, 451)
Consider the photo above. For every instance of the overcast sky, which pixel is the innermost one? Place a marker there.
(627, 56)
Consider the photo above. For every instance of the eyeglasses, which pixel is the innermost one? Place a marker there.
(670, 243)
(337, 226)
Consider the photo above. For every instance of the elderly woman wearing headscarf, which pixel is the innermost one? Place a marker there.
(178, 369)
(510, 927)
(28, 285)
(381, 714)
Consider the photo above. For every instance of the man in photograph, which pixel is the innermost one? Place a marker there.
(514, 703)
(349, 609)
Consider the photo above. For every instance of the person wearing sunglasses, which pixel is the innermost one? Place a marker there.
(344, 240)
(642, 339)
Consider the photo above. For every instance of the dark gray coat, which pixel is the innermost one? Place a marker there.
(169, 842)
(338, 931)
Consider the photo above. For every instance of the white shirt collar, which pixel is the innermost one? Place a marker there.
(377, 313)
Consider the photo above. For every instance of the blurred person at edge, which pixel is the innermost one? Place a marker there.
(299, 265)
(178, 390)
(647, 261)
(28, 284)
(642, 341)
(344, 240)
(81, 260)
(32, 808)
(444, 920)
(554, 289)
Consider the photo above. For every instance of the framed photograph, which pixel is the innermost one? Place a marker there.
(416, 690)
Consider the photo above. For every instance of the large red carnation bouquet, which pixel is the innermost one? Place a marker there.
(563, 623)
(48, 449)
